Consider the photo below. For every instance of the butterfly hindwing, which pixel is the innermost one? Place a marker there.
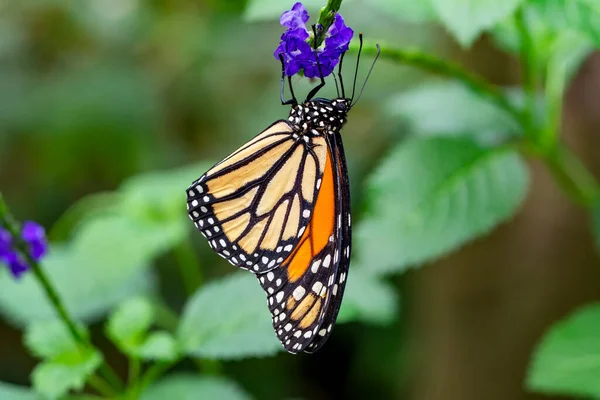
(304, 294)
(253, 206)
(342, 254)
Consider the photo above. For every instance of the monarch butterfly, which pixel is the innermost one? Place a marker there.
(279, 206)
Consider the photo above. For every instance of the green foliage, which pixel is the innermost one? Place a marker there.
(567, 360)
(467, 19)
(432, 195)
(14, 392)
(271, 9)
(368, 299)
(191, 387)
(107, 258)
(406, 10)
(128, 327)
(458, 111)
(552, 24)
(228, 319)
(66, 365)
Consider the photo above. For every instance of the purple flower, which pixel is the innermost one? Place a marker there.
(295, 18)
(34, 236)
(297, 52)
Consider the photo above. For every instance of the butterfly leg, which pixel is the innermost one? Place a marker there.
(282, 90)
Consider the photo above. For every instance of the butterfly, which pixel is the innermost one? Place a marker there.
(279, 206)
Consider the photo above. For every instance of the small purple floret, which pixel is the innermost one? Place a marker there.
(296, 51)
(34, 235)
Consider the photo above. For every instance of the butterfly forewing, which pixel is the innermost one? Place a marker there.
(253, 206)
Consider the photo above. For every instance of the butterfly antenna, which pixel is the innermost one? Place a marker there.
(337, 89)
(360, 38)
(368, 75)
(340, 76)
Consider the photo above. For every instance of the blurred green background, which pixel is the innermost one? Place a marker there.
(95, 92)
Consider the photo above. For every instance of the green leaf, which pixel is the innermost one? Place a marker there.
(128, 328)
(53, 379)
(258, 10)
(13, 392)
(467, 19)
(158, 346)
(67, 364)
(368, 299)
(457, 111)
(192, 387)
(551, 23)
(128, 325)
(50, 340)
(88, 287)
(406, 10)
(108, 257)
(582, 16)
(567, 360)
(432, 195)
(227, 319)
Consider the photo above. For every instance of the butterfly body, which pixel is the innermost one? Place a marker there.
(319, 116)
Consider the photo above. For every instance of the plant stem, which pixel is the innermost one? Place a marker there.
(153, 373)
(8, 222)
(417, 58)
(189, 266)
(101, 386)
(134, 371)
(573, 177)
(326, 18)
(165, 317)
(529, 72)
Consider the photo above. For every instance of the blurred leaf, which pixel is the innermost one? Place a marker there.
(457, 111)
(111, 248)
(228, 318)
(128, 328)
(272, 9)
(128, 325)
(160, 196)
(67, 364)
(432, 195)
(54, 380)
(368, 299)
(9, 391)
(88, 288)
(192, 387)
(158, 346)
(552, 23)
(580, 15)
(406, 10)
(567, 360)
(50, 340)
(467, 19)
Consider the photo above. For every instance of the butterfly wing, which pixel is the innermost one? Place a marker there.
(342, 259)
(254, 206)
(305, 292)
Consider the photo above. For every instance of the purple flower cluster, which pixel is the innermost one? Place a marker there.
(297, 52)
(34, 235)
